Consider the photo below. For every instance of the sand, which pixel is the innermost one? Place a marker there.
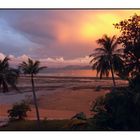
(61, 104)
(58, 98)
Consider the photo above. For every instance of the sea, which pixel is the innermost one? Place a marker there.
(71, 73)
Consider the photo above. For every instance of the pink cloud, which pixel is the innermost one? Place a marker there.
(50, 62)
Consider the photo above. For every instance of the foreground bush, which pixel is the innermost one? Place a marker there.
(135, 82)
(119, 109)
(19, 111)
(30, 125)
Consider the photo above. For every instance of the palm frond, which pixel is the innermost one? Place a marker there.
(8, 76)
(31, 67)
(107, 53)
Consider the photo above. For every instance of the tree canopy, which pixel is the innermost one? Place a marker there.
(8, 75)
(107, 57)
(130, 39)
(30, 67)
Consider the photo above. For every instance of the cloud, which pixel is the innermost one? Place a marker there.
(61, 62)
(51, 34)
(50, 62)
(2, 56)
(12, 41)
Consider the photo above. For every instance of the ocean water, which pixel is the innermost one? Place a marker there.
(70, 73)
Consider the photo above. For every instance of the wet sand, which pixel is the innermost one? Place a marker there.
(58, 98)
(61, 104)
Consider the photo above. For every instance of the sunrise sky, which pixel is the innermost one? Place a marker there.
(55, 37)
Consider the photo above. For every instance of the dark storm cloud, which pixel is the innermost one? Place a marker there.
(43, 28)
(54, 33)
(55, 36)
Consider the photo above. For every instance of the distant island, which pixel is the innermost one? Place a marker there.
(68, 67)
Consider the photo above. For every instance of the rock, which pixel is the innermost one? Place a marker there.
(76, 124)
(97, 88)
(4, 122)
(80, 116)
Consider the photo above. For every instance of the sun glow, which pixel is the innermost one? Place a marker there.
(104, 25)
(88, 31)
(88, 27)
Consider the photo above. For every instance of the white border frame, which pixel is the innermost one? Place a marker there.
(69, 4)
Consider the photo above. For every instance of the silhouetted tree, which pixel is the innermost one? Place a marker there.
(117, 110)
(107, 57)
(19, 111)
(130, 39)
(8, 75)
(32, 67)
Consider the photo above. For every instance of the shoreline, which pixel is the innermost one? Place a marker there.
(59, 104)
(58, 97)
(44, 75)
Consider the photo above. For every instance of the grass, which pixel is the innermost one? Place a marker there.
(46, 125)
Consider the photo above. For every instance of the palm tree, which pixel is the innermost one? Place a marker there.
(8, 75)
(107, 57)
(32, 67)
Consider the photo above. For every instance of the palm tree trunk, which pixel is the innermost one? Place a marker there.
(113, 78)
(35, 101)
(5, 87)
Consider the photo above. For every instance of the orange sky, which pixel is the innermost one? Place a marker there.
(90, 25)
(57, 37)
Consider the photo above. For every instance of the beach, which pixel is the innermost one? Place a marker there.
(58, 97)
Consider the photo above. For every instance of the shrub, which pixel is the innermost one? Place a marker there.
(135, 82)
(118, 110)
(19, 111)
(80, 116)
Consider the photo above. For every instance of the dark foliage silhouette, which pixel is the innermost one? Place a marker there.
(118, 110)
(107, 57)
(8, 75)
(130, 39)
(19, 111)
(32, 68)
